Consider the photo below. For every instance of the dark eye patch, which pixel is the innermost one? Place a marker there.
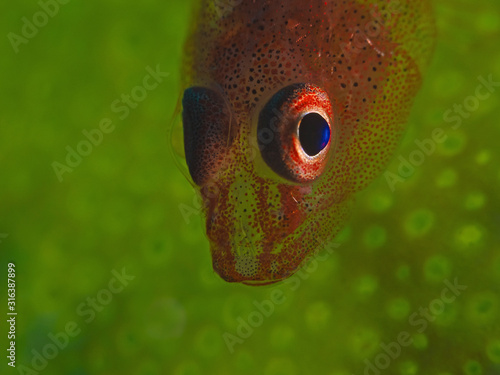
(208, 132)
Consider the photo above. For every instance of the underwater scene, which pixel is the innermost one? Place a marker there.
(120, 254)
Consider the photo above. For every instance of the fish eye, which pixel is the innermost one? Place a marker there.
(295, 132)
(314, 133)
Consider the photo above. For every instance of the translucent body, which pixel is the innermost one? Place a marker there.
(368, 56)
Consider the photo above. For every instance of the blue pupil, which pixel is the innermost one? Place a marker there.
(314, 133)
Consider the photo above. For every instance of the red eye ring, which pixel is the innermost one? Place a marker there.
(279, 136)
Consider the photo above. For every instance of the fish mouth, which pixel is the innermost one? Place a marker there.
(261, 282)
(248, 281)
(248, 267)
(246, 252)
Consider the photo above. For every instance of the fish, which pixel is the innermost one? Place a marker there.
(289, 109)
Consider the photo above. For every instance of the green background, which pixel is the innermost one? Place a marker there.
(122, 207)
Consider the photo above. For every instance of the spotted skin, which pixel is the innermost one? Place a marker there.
(367, 56)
